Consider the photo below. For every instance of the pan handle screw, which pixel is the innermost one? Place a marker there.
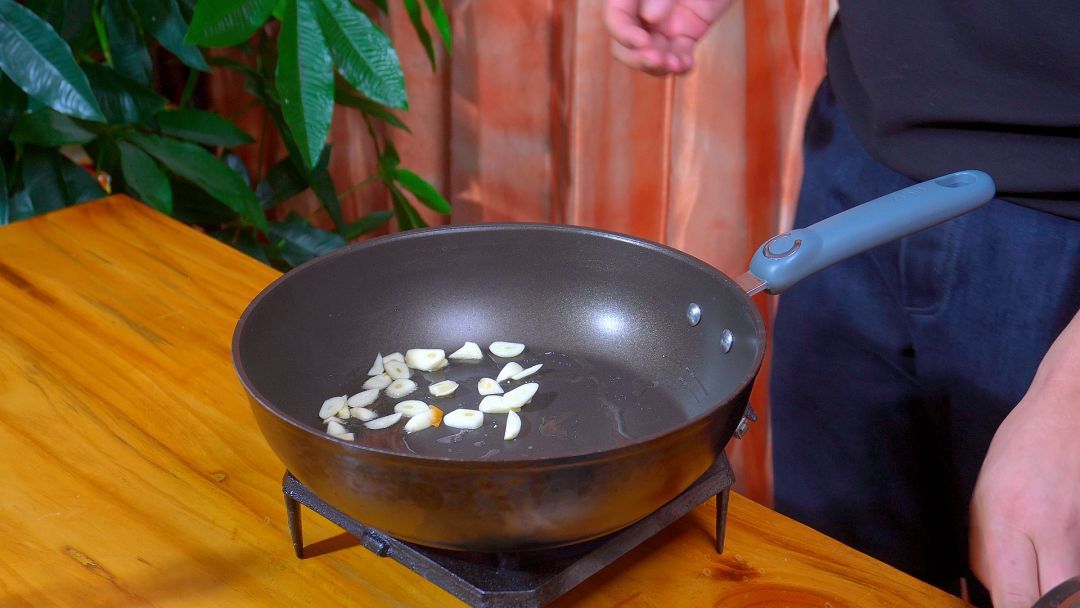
(744, 425)
(693, 314)
(726, 340)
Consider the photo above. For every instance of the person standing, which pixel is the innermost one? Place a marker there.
(926, 394)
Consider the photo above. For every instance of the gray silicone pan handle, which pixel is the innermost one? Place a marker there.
(788, 258)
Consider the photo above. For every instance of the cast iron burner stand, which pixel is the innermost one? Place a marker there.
(515, 580)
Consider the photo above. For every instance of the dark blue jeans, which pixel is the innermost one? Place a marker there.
(892, 370)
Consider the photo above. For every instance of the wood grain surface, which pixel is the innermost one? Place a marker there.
(132, 472)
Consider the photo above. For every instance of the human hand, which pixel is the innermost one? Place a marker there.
(1025, 512)
(658, 36)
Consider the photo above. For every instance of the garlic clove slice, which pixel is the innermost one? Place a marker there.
(376, 382)
(335, 428)
(346, 436)
(398, 370)
(411, 408)
(343, 413)
(441, 365)
(470, 352)
(377, 367)
(382, 423)
(400, 388)
(419, 422)
(444, 388)
(525, 373)
(506, 349)
(513, 426)
(487, 386)
(493, 404)
(362, 413)
(424, 359)
(332, 406)
(520, 395)
(363, 398)
(508, 370)
(393, 357)
(464, 419)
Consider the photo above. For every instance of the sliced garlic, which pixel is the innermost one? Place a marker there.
(377, 367)
(332, 406)
(470, 352)
(380, 381)
(464, 419)
(364, 398)
(424, 359)
(525, 373)
(335, 428)
(420, 421)
(393, 357)
(520, 395)
(508, 370)
(362, 413)
(506, 349)
(487, 386)
(400, 388)
(442, 365)
(343, 413)
(411, 408)
(493, 404)
(398, 370)
(382, 423)
(513, 426)
(444, 388)
(346, 436)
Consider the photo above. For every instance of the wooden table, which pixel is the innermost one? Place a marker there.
(132, 472)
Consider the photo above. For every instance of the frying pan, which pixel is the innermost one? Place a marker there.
(649, 354)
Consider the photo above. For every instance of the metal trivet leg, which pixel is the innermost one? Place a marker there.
(528, 579)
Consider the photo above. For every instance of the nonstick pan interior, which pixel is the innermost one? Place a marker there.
(606, 315)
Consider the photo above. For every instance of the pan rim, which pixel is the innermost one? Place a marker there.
(569, 458)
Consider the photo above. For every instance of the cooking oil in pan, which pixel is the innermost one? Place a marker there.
(582, 405)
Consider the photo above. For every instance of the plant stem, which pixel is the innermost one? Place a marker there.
(99, 27)
(358, 185)
(189, 87)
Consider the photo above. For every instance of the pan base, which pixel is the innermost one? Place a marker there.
(530, 578)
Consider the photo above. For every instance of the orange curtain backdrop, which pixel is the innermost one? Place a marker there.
(531, 119)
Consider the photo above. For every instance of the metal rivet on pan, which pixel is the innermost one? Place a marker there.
(742, 428)
(726, 340)
(693, 314)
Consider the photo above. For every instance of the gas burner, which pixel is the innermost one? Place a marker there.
(519, 580)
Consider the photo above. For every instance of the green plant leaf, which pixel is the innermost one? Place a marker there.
(407, 217)
(389, 160)
(5, 207)
(21, 206)
(205, 171)
(281, 183)
(299, 241)
(129, 53)
(234, 162)
(144, 177)
(422, 190)
(347, 97)
(367, 224)
(442, 22)
(123, 101)
(12, 105)
(323, 186)
(412, 8)
(243, 241)
(49, 128)
(279, 10)
(40, 62)
(77, 28)
(163, 20)
(105, 153)
(203, 127)
(52, 11)
(363, 53)
(53, 181)
(220, 23)
(193, 205)
(305, 79)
